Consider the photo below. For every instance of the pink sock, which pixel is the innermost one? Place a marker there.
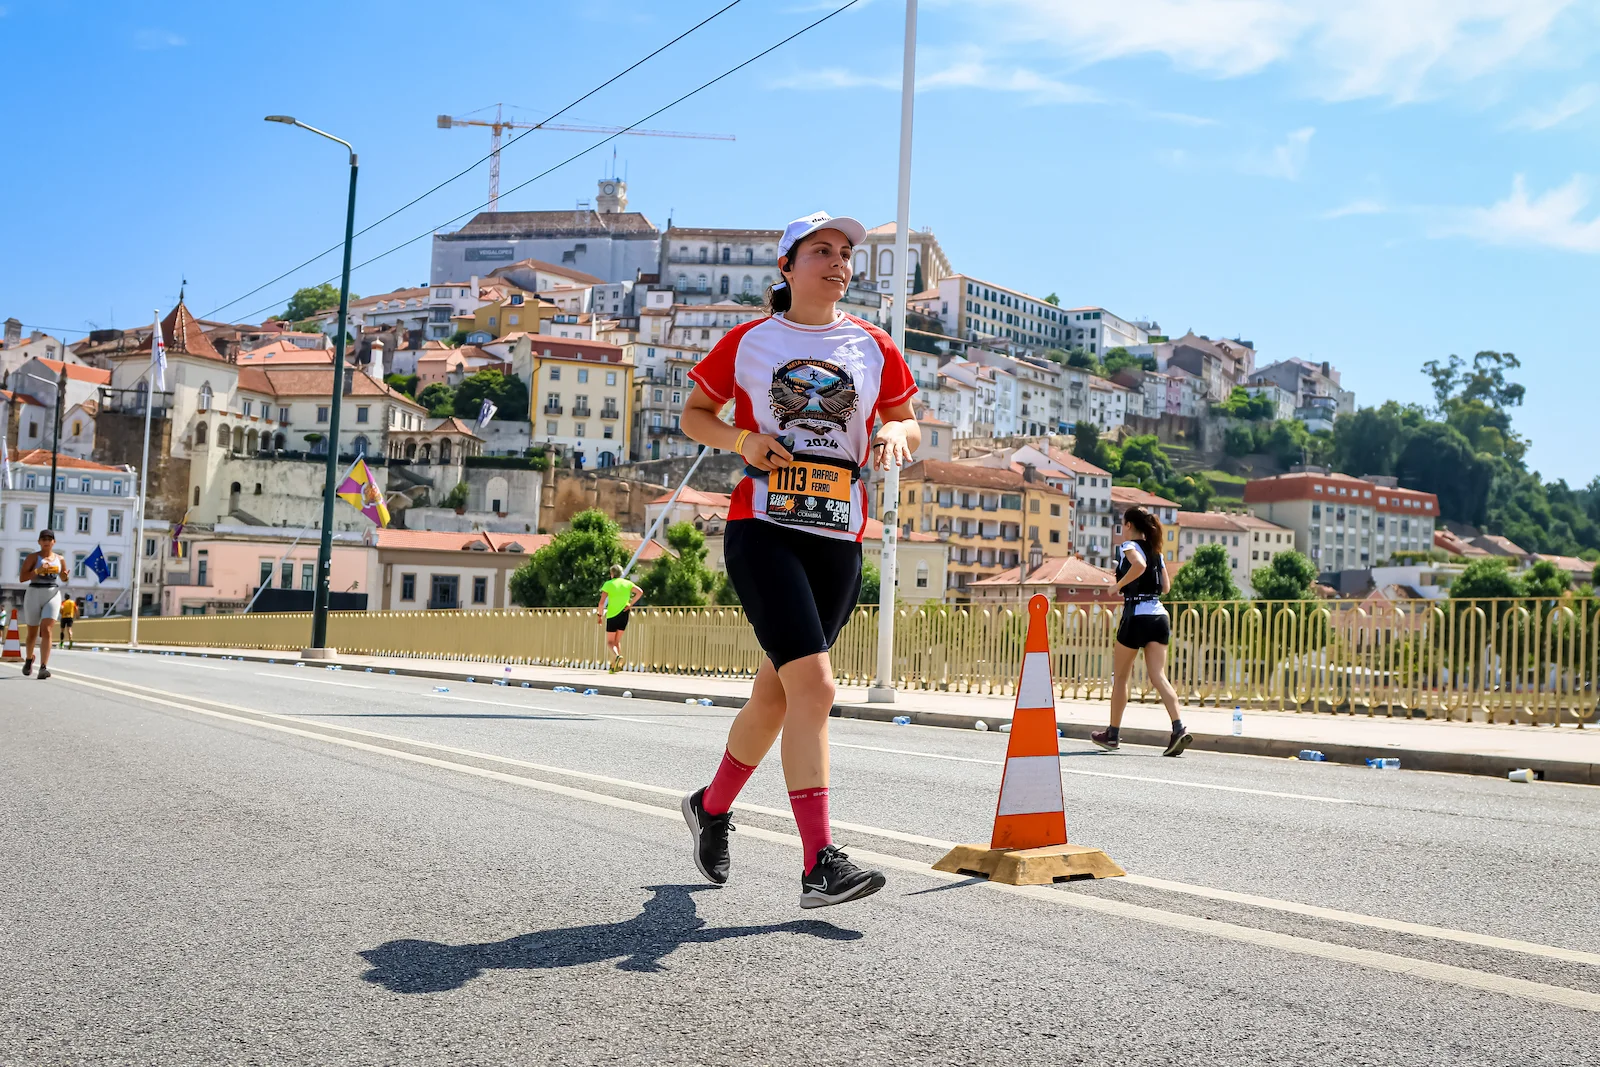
(724, 788)
(811, 816)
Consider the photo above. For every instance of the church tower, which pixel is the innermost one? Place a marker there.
(613, 196)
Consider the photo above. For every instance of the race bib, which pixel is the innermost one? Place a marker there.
(811, 494)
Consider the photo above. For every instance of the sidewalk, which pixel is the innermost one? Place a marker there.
(1565, 754)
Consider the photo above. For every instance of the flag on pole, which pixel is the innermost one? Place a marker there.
(97, 563)
(177, 532)
(5, 462)
(360, 490)
(158, 359)
(486, 412)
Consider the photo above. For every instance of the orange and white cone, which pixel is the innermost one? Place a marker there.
(1029, 843)
(13, 649)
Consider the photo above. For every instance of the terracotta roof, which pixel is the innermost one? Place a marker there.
(555, 224)
(1499, 546)
(695, 496)
(80, 372)
(1570, 564)
(451, 425)
(1055, 570)
(40, 457)
(183, 335)
(652, 551)
(943, 473)
(284, 353)
(1446, 541)
(1076, 464)
(314, 381)
(1127, 496)
(549, 268)
(1301, 485)
(872, 530)
(401, 295)
(450, 541)
(1209, 520)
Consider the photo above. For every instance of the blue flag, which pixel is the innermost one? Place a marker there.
(97, 563)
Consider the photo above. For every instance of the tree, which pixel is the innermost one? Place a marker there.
(456, 497)
(1287, 441)
(871, 583)
(1053, 299)
(311, 301)
(1083, 360)
(1437, 459)
(457, 339)
(1120, 359)
(1206, 576)
(1289, 576)
(508, 394)
(681, 580)
(1545, 579)
(1238, 441)
(723, 594)
(925, 324)
(1370, 440)
(405, 383)
(439, 399)
(569, 571)
(1488, 577)
(1241, 405)
(916, 282)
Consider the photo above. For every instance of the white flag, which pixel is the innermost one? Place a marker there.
(486, 412)
(5, 462)
(158, 359)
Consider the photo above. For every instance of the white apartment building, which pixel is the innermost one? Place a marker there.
(874, 259)
(1250, 542)
(1108, 404)
(1097, 331)
(703, 325)
(705, 266)
(972, 309)
(1282, 399)
(1040, 406)
(96, 507)
(446, 302)
(1090, 489)
(978, 416)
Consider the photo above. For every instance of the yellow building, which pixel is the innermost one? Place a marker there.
(506, 309)
(990, 518)
(581, 401)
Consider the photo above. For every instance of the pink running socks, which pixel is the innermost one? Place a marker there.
(724, 788)
(811, 816)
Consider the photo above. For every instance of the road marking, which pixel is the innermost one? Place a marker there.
(191, 663)
(314, 678)
(562, 711)
(1106, 774)
(1372, 959)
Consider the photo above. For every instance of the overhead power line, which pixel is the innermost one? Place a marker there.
(474, 165)
(603, 141)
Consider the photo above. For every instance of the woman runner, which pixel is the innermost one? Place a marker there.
(41, 604)
(617, 598)
(1143, 579)
(807, 383)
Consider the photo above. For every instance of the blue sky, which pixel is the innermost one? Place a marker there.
(1372, 182)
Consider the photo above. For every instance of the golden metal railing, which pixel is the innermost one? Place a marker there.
(1519, 660)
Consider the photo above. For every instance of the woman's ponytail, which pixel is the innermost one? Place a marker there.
(779, 296)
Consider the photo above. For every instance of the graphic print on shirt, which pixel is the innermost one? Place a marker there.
(813, 395)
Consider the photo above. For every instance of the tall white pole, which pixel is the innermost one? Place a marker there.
(883, 692)
(144, 481)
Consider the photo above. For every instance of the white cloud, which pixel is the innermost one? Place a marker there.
(835, 78)
(964, 73)
(1286, 160)
(1344, 49)
(1574, 103)
(152, 40)
(1547, 221)
(1356, 207)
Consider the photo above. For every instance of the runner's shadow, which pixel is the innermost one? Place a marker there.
(640, 944)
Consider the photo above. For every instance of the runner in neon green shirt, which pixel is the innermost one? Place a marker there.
(617, 598)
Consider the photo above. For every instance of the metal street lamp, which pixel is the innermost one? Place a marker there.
(319, 607)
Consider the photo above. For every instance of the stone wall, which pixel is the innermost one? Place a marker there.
(718, 474)
(568, 492)
(119, 440)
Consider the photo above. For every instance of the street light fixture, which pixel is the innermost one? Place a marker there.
(319, 607)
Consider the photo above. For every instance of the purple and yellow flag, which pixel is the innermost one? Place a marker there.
(361, 492)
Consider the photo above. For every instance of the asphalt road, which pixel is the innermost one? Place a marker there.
(221, 862)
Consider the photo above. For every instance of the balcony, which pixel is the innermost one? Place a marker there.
(580, 411)
(609, 412)
(552, 409)
(689, 287)
(694, 260)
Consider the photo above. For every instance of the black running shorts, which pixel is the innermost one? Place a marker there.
(618, 622)
(797, 588)
(1136, 631)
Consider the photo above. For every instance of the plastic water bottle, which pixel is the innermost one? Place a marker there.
(1384, 763)
(591, 692)
(980, 726)
(1311, 755)
(441, 689)
(625, 692)
(526, 685)
(902, 720)
(1238, 721)
(706, 702)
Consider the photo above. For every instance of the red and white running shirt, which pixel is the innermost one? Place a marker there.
(821, 385)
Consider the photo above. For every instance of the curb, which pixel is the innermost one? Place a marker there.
(1414, 759)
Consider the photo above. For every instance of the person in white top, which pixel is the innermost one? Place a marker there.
(1142, 579)
(808, 383)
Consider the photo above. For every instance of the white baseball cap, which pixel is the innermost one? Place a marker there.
(820, 220)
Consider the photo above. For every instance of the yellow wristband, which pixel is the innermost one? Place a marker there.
(738, 442)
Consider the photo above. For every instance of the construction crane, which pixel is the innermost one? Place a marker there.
(498, 125)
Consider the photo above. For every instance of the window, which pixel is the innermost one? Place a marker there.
(283, 415)
(308, 576)
(480, 590)
(362, 414)
(1055, 510)
(247, 408)
(408, 587)
(204, 403)
(322, 415)
(200, 575)
(578, 429)
(555, 374)
(286, 576)
(149, 546)
(658, 396)
(58, 520)
(266, 573)
(583, 375)
(1033, 506)
(77, 564)
(84, 485)
(85, 519)
(552, 427)
(116, 486)
(611, 377)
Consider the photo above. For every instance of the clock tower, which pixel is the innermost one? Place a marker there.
(613, 196)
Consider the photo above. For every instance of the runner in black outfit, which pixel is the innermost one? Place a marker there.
(1143, 579)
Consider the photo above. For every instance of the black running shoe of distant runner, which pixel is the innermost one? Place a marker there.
(833, 879)
(27, 666)
(710, 833)
(1103, 739)
(44, 672)
(1180, 740)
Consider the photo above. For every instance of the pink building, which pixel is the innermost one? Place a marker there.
(225, 570)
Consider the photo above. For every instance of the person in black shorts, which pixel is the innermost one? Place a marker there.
(807, 384)
(1142, 579)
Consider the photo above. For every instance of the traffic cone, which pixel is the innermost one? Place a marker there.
(13, 649)
(1029, 844)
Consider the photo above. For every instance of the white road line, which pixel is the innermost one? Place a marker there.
(314, 678)
(1383, 961)
(1105, 774)
(180, 661)
(562, 711)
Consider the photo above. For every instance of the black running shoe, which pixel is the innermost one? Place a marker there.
(27, 667)
(710, 833)
(1103, 739)
(833, 879)
(44, 672)
(1180, 740)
